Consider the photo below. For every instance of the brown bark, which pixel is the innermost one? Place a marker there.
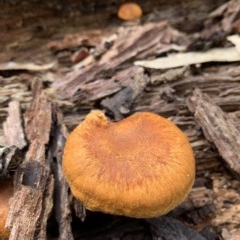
(218, 127)
(35, 181)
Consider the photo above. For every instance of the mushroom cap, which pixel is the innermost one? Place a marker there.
(142, 166)
(129, 11)
(6, 192)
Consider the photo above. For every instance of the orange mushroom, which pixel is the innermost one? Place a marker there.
(129, 11)
(6, 192)
(142, 166)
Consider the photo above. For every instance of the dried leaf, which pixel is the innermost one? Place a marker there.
(183, 59)
(25, 66)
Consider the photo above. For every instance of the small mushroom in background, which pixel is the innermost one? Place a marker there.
(129, 11)
(142, 166)
(6, 192)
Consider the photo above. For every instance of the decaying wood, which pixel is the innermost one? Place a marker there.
(39, 21)
(10, 159)
(227, 205)
(168, 228)
(12, 127)
(218, 127)
(61, 189)
(39, 182)
(12, 141)
(32, 202)
(220, 23)
(144, 40)
(121, 102)
(107, 80)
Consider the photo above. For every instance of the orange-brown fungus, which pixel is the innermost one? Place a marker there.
(142, 166)
(6, 192)
(129, 11)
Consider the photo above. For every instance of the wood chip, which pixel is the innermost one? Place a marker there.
(12, 127)
(120, 103)
(218, 127)
(10, 159)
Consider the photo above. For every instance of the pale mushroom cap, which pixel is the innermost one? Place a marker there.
(142, 166)
(129, 11)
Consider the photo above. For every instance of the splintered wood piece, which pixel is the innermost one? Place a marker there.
(146, 40)
(12, 127)
(219, 24)
(35, 184)
(120, 103)
(218, 127)
(32, 202)
(61, 199)
(10, 159)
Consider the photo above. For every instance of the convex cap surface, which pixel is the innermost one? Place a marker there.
(129, 11)
(142, 166)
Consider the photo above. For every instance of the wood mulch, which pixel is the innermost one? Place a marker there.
(70, 59)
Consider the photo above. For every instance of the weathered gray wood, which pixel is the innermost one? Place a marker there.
(218, 127)
(12, 127)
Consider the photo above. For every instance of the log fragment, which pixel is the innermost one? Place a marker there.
(39, 183)
(218, 127)
(32, 202)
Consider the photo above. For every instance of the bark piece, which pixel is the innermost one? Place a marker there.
(35, 183)
(145, 40)
(221, 22)
(199, 206)
(10, 159)
(12, 127)
(61, 195)
(218, 127)
(120, 103)
(32, 202)
(72, 41)
(13, 141)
